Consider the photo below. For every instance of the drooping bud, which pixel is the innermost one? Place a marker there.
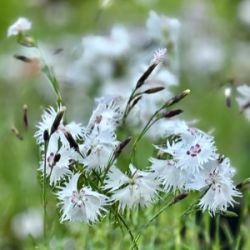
(179, 197)
(121, 146)
(16, 133)
(25, 116)
(177, 98)
(57, 120)
(172, 113)
(23, 58)
(72, 143)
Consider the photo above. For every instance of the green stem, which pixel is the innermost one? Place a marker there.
(150, 221)
(135, 246)
(144, 130)
(44, 193)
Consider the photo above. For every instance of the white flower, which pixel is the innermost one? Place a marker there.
(169, 174)
(192, 151)
(107, 114)
(138, 189)
(48, 117)
(244, 99)
(80, 205)
(27, 224)
(216, 176)
(98, 147)
(57, 160)
(159, 56)
(162, 28)
(21, 25)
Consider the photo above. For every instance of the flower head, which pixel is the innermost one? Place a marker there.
(137, 189)
(22, 24)
(216, 177)
(83, 205)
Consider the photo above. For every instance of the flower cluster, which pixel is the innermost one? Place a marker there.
(81, 161)
(190, 162)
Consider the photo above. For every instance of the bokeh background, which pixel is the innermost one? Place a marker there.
(214, 53)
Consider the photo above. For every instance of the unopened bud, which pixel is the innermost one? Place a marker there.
(153, 90)
(72, 143)
(16, 133)
(172, 113)
(46, 135)
(23, 58)
(136, 100)
(243, 184)
(25, 116)
(177, 98)
(121, 146)
(145, 75)
(179, 197)
(57, 120)
(26, 41)
(57, 158)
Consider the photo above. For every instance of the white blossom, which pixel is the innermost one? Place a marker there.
(216, 177)
(83, 205)
(139, 188)
(22, 24)
(48, 117)
(169, 174)
(57, 160)
(107, 114)
(98, 147)
(159, 56)
(192, 151)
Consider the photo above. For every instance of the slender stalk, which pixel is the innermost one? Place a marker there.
(149, 124)
(135, 246)
(44, 193)
(150, 221)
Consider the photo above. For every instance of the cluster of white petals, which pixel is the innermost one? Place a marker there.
(138, 188)
(80, 205)
(74, 155)
(192, 163)
(21, 25)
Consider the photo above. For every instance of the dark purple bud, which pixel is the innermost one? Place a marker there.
(57, 120)
(153, 90)
(172, 113)
(46, 135)
(23, 58)
(177, 98)
(25, 116)
(145, 75)
(121, 146)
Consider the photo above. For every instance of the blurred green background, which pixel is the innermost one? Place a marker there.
(52, 21)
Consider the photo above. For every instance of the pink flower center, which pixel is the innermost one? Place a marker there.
(50, 159)
(194, 150)
(78, 198)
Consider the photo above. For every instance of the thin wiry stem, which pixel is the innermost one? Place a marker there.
(44, 193)
(135, 246)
